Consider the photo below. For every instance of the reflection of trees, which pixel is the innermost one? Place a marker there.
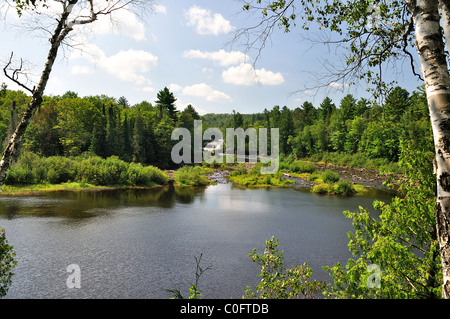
(85, 204)
(186, 195)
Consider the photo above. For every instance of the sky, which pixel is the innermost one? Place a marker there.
(187, 46)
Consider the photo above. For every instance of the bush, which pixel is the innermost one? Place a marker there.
(279, 282)
(7, 263)
(88, 169)
(330, 177)
(240, 171)
(302, 167)
(322, 188)
(20, 175)
(345, 187)
(191, 175)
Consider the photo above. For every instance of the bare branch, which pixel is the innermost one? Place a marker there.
(15, 73)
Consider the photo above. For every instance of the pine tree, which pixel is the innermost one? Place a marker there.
(138, 139)
(111, 134)
(127, 149)
(166, 101)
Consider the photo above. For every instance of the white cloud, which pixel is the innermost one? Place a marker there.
(173, 87)
(122, 22)
(245, 74)
(221, 57)
(126, 65)
(339, 86)
(207, 23)
(205, 91)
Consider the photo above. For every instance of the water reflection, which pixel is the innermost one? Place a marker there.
(88, 204)
(136, 243)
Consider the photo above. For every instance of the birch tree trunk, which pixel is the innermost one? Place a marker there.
(430, 46)
(60, 32)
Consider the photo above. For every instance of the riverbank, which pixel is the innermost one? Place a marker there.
(41, 189)
(360, 177)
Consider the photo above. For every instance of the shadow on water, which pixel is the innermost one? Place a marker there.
(85, 204)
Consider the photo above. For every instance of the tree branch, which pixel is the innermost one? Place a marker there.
(15, 74)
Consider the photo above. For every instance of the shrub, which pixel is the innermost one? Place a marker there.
(191, 175)
(330, 177)
(20, 175)
(240, 171)
(322, 188)
(279, 282)
(345, 187)
(7, 263)
(302, 167)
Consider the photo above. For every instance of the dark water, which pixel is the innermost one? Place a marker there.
(138, 243)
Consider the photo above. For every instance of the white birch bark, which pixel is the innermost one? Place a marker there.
(430, 47)
(444, 8)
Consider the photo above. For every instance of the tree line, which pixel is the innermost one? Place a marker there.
(352, 131)
(69, 125)
(356, 129)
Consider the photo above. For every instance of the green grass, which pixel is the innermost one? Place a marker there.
(32, 169)
(329, 182)
(191, 176)
(254, 177)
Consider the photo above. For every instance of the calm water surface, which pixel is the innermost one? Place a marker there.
(138, 243)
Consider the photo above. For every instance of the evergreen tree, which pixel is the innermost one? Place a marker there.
(286, 130)
(348, 107)
(111, 133)
(326, 108)
(127, 146)
(397, 102)
(308, 113)
(123, 102)
(166, 101)
(238, 120)
(138, 139)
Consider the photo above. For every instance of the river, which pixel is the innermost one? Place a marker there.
(138, 243)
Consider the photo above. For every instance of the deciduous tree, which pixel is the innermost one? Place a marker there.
(71, 14)
(374, 34)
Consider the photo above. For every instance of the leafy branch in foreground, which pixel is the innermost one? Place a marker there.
(7, 263)
(402, 240)
(279, 282)
(194, 291)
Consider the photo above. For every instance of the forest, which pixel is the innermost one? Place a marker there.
(353, 132)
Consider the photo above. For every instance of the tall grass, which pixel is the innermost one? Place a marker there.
(191, 176)
(32, 169)
(302, 167)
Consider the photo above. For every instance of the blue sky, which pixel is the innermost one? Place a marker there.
(184, 45)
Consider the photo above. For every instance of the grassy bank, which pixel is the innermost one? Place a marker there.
(192, 176)
(327, 182)
(253, 177)
(57, 172)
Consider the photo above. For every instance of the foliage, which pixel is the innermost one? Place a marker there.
(112, 171)
(255, 178)
(191, 176)
(330, 176)
(302, 167)
(345, 187)
(401, 240)
(194, 291)
(278, 282)
(7, 263)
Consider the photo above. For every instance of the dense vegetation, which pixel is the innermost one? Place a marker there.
(356, 132)
(93, 170)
